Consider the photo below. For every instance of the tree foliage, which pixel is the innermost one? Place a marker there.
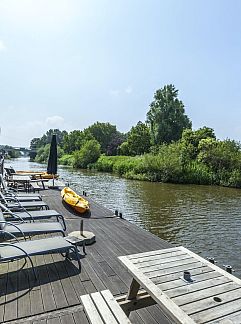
(114, 144)
(75, 139)
(190, 141)
(220, 155)
(104, 133)
(138, 140)
(43, 153)
(89, 153)
(166, 116)
(36, 143)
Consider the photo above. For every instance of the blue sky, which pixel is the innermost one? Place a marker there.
(69, 63)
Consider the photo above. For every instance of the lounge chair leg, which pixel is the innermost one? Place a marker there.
(63, 221)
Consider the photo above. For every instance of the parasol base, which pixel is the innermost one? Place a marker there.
(87, 236)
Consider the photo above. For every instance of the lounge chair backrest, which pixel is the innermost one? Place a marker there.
(2, 198)
(2, 221)
(2, 182)
(4, 208)
(8, 171)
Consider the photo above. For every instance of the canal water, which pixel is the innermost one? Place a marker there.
(205, 219)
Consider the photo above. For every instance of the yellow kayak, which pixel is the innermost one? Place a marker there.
(71, 198)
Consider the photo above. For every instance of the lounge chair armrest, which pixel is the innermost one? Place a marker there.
(11, 198)
(17, 204)
(14, 225)
(18, 217)
(25, 253)
(26, 211)
(10, 234)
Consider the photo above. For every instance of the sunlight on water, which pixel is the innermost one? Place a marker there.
(204, 219)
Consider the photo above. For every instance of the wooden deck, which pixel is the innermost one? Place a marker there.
(55, 296)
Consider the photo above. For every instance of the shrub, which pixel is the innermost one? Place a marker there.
(67, 159)
(89, 153)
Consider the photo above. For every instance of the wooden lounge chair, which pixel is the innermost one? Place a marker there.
(33, 215)
(13, 229)
(102, 308)
(27, 249)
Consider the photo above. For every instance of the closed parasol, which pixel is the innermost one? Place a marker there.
(53, 157)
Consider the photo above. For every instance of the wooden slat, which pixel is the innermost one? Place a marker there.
(103, 309)
(160, 257)
(218, 312)
(165, 266)
(36, 302)
(23, 290)
(80, 317)
(46, 288)
(120, 315)
(67, 319)
(161, 261)
(210, 302)
(230, 319)
(164, 272)
(59, 296)
(205, 293)
(91, 310)
(11, 293)
(180, 282)
(197, 287)
(177, 275)
(150, 253)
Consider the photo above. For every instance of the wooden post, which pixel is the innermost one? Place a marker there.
(81, 227)
(133, 290)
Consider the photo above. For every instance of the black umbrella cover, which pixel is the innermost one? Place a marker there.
(52, 161)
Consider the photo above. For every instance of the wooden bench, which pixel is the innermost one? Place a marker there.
(102, 308)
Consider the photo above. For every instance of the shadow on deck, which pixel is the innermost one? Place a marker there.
(55, 296)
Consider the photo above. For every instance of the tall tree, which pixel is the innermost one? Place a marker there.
(166, 116)
(103, 133)
(75, 139)
(139, 140)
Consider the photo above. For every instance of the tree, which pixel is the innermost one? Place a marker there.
(46, 138)
(89, 153)
(35, 143)
(103, 133)
(114, 144)
(220, 155)
(75, 139)
(191, 139)
(166, 117)
(139, 139)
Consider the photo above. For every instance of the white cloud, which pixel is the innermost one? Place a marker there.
(128, 90)
(115, 92)
(2, 46)
(54, 121)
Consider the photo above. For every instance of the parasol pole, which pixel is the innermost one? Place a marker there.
(81, 227)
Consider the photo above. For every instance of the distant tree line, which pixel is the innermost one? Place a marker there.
(9, 152)
(162, 148)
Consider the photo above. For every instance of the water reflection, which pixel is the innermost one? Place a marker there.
(203, 218)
